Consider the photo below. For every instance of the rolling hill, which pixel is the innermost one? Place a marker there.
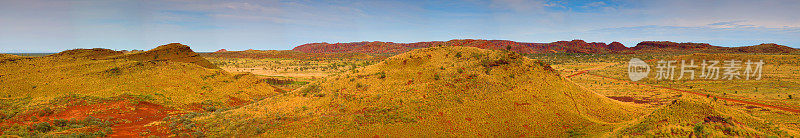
(439, 91)
(109, 86)
(174, 52)
(700, 117)
(8, 56)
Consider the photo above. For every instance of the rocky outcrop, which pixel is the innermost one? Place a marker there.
(174, 52)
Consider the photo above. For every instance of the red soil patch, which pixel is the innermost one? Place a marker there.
(130, 116)
(144, 113)
(628, 99)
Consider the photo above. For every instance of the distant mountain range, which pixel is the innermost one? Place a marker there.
(574, 46)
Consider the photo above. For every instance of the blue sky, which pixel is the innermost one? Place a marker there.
(56, 25)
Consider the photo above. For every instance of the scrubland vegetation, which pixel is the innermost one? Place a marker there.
(289, 73)
(432, 91)
(170, 76)
(778, 79)
(445, 91)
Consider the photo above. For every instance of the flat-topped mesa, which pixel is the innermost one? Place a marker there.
(174, 52)
(673, 45)
(94, 53)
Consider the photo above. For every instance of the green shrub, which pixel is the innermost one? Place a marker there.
(46, 111)
(42, 127)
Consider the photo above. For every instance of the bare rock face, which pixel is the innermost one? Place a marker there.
(221, 50)
(174, 52)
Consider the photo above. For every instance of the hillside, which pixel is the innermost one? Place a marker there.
(173, 52)
(104, 85)
(95, 53)
(439, 91)
(700, 117)
(574, 46)
(8, 56)
(766, 48)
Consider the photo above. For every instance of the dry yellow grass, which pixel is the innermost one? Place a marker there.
(3, 56)
(440, 91)
(681, 119)
(702, 117)
(108, 73)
